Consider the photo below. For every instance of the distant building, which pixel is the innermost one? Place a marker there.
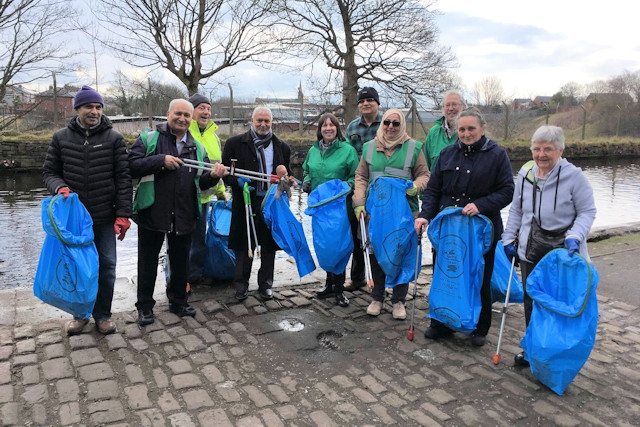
(63, 99)
(521, 104)
(541, 101)
(16, 97)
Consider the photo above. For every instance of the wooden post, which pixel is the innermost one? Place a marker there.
(230, 109)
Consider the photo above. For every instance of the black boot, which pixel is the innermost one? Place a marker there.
(327, 291)
(341, 300)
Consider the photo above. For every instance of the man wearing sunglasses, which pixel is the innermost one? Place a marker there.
(359, 131)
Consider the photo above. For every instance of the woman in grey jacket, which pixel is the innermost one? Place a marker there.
(552, 194)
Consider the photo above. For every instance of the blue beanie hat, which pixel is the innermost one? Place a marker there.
(86, 95)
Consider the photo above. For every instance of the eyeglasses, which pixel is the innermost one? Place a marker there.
(391, 123)
(545, 150)
(360, 101)
(452, 105)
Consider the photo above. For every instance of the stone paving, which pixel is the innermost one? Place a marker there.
(250, 364)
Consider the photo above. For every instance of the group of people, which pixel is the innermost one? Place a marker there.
(457, 166)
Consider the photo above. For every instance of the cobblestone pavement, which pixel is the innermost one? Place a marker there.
(299, 361)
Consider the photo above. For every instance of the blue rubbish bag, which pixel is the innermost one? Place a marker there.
(500, 279)
(460, 242)
(332, 240)
(221, 261)
(287, 231)
(67, 273)
(391, 230)
(564, 320)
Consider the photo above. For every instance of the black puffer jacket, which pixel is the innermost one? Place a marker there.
(175, 206)
(93, 164)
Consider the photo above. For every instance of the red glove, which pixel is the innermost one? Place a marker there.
(64, 191)
(121, 226)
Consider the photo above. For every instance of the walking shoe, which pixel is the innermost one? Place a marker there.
(374, 308)
(519, 360)
(265, 294)
(75, 326)
(182, 310)
(398, 311)
(106, 326)
(354, 286)
(478, 340)
(325, 292)
(433, 333)
(242, 295)
(341, 300)
(145, 317)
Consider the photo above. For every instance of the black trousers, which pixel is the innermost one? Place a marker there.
(357, 257)
(378, 293)
(525, 269)
(484, 321)
(243, 270)
(149, 245)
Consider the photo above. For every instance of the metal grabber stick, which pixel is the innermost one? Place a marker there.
(365, 247)
(247, 207)
(233, 171)
(253, 228)
(412, 327)
(505, 308)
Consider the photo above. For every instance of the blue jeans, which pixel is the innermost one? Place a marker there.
(105, 241)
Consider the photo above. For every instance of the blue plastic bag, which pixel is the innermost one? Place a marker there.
(564, 320)
(67, 273)
(332, 238)
(460, 242)
(221, 261)
(287, 231)
(500, 279)
(391, 230)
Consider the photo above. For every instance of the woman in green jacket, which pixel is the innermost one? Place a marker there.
(331, 157)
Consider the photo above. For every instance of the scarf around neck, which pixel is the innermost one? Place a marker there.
(261, 143)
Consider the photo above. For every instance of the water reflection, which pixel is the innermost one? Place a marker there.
(21, 234)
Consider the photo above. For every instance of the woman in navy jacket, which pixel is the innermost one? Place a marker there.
(474, 174)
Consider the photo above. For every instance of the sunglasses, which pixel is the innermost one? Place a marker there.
(369, 100)
(391, 123)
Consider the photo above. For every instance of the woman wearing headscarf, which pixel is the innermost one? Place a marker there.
(330, 157)
(474, 174)
(391, 153)
(550, 194)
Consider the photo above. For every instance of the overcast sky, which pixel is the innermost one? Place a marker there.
(536, 47)
(532, 47)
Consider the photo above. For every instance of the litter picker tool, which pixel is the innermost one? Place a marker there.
(497, 357)
(365, 247)
(412, 327)
(253, 175)
(249, 218)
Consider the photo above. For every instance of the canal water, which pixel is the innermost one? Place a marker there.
(615, 184)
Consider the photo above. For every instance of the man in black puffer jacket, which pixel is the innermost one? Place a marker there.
(89, 158)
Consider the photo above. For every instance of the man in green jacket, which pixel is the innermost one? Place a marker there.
(443, 132)
(203, 130)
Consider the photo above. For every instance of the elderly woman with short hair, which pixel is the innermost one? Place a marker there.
(552, 196)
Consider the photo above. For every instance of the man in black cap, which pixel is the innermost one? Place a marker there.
(89, 158)
(359, 131)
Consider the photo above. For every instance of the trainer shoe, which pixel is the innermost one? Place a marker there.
(75, 326)
(398, 311)
(145, 317)
(374, 308)
(519, 360)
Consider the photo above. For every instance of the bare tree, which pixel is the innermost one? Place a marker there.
(194, 40)
(627, 82)
(488, 92)
(136, 95)
(393, 44)
(32, 40)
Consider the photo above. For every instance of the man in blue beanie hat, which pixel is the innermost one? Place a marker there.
(89, 158)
